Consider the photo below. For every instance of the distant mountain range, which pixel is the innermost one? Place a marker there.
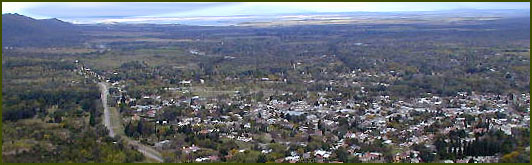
(224, 20)
(19, 30)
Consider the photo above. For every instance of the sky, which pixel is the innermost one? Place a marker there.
(98, 12)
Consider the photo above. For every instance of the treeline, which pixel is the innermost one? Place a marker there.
(88, 145)
(50, 114)
(139, 129)
(26, 104)
(490, 143)
(33, 86)
(48, 64)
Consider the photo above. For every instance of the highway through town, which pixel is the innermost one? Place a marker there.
(112, 121)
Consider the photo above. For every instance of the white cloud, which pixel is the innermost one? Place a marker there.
(75, 11)
(22, 8)
(386, 6)
(261, 8)
(16, 7)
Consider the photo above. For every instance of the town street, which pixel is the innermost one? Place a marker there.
(112, 122)
(106, 118)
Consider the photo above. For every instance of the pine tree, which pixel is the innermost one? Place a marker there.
(127, 130)
(92, 120)
(460, 150)
(261, 159)
(140, 127)
(342, 154)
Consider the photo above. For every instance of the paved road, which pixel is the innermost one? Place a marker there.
(112, 114)
(146, 150)
(106, 113)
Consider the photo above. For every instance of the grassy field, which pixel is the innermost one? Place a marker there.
(117, 124)
(209, 91)
(58, 50)
(154, 57)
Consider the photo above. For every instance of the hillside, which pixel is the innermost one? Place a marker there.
(19, 30)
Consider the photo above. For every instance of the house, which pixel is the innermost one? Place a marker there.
(190, 149)
(213, 158)
(266, 151)
(151, 113)
(185, 83)
(448, 161)
(135, 117)
(244, 139)
(462, 160)
(369, 156)
(292, 159)
(162, 144)
(202, 159)
(323, 154)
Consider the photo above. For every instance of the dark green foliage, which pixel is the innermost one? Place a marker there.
(58, 104)
(342, 155)
(492, 143)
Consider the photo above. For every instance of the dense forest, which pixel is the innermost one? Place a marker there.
(50, 114)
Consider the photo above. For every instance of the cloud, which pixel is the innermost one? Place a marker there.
(106, 9)
(16, 7)
(386, 6)
(98, 11)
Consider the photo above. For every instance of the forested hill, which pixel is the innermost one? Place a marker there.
(19, 30)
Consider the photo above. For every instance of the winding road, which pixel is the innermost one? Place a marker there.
(112, 121)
